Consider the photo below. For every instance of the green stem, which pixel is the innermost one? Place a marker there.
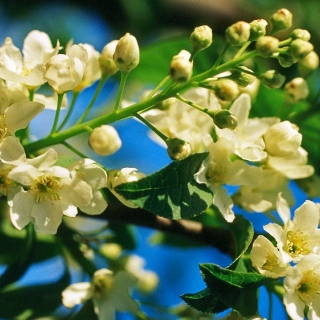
(56, 118)
(124, 76)
(192, 104)
(71, 108)
(150, 126)
(160, 85)
(242, 49)
(31, 94)
(58, 137)
(224, 50)
(102, 82)
(74, 150)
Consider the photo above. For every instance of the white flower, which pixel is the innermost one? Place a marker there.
(16, 116)
(50, 191)
(51, 102)
(218, 170)
(300, 236)
(92, 70)
(263, 197)
(282, 139)
(297, 89)
(117, 177)
(108, 292)
(30, 68)
(185, 122)
(267, 258)
(88, 171)
(302, 286)
(65, 71)
(247, 136)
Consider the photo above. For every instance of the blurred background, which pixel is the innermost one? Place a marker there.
(98, 22)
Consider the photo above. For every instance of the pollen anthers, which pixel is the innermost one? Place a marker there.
(3, 127)
(45, 188)
(213, 174)
(309, 286)
(5, 182)
(298, 243)
(271, 262)
(102, 284)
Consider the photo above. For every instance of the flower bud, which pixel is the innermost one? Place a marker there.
(300, 34)
(257, 29)
(243, 79)
(272, 79)
(110, 250)
(238, 33)
(281, 20)
(225, 119)
(282, 139)
(226, 89)
(107, 64)
(308, 64)
(296, 90)
(266, 46)
(201, 38)
(127, 53)
(286, 60)
(300, 48)
(104, 140)
(180, 67)
(178, 149)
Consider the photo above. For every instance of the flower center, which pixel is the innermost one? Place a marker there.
(214, 174)
(309, 286)
(3, 128)
(102, 285)
(271, 262)
(5, 182)
(298, 243)
(45, 188)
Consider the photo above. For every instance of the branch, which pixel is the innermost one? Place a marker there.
(192, 230)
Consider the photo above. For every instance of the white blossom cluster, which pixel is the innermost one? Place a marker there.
(296, 257)
(259, 156)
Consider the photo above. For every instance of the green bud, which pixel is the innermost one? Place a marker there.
(238, 33)
(272, 79)
(180, 67)
(226, 89)
(300, 34)
(300, 48)
(281, 20)
(257, 29)
(243, 79)
(178, 149)
(308, 64)
(266, 46)
(224, 119)
(201, 38)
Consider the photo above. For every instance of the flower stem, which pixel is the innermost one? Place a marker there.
(102, 81)
(56, 118)
(242, 49)
(124, 76)
(71, 108)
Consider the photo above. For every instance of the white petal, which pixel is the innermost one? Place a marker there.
(45, 160)
(47, 215)
(12, 151)
(76, 293)
(223, 202)
(20, 212)
(97, 205)
(283, 209)
(19, 114)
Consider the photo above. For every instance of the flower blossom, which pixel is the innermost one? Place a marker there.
(30, 68)
(49, 193)
(300, 236)
(302, 287)
(108, 291)
(219, 169)
(65, 71)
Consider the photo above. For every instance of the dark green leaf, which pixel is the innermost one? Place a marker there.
(171, 192)
(227, 289)
(123, 235)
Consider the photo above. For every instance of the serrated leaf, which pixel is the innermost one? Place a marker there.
(227, 289)
(171, 192)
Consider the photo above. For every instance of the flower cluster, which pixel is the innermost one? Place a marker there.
(296, 257)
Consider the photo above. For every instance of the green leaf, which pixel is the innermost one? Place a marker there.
(243, 232)
(171, 192)
(227, 289)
